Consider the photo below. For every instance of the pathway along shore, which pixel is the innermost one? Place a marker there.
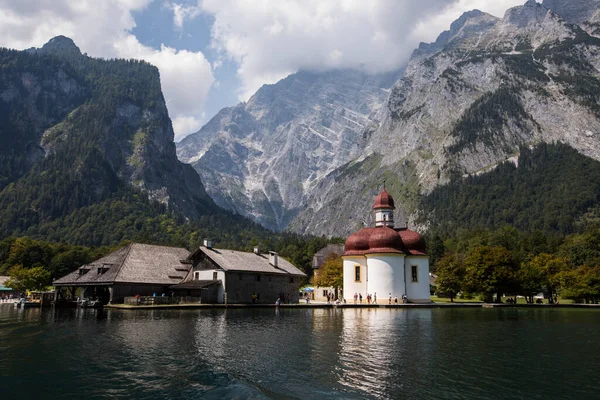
(370, 306)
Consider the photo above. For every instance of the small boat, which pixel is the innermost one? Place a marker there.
(86, 303)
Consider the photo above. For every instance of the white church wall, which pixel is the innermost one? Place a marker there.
(386, 275)
(352, 286)
(417, 292)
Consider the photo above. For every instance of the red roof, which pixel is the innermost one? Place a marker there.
(384, 200)
(414, 242)
(385, 240)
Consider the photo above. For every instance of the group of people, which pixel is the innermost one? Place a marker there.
(4, 298)
(404, 299)
(371, 299)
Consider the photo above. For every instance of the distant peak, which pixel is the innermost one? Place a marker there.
(61, 45)
(521, 16)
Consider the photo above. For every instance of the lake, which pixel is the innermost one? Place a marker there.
(506, 353)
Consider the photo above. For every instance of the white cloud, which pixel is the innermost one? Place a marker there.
(102, 29)
(183, 13)
(270, 39)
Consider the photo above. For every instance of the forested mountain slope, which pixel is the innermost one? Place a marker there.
(87, 153)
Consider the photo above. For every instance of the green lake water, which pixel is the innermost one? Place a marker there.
(507, 353)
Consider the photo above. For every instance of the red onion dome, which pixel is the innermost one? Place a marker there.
(414, 242)
(385, 240)
(384, 200)
(358, 242)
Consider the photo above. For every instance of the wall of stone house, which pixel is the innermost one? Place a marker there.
(200, 274)
(120, 291)
(240, 286)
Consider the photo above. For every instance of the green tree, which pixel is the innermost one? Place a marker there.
(22, 279)
(549, 268)
(581, 284)
(331, 273)
(490, 270)
(451, 274)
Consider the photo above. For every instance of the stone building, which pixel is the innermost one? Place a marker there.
(319, 258)
(247, 277)
(207, 275)
(386, 261)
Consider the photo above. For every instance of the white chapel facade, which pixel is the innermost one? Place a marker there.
(385, 260)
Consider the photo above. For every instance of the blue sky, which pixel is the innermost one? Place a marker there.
(216, 53)
(154, 27)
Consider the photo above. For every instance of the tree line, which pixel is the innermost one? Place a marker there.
(506, 261)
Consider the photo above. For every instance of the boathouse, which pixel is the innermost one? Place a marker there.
(136, 269)
(207, 275)
(246, 277)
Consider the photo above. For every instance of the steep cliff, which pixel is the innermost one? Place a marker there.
(468, 102)
(76, 132)
(264, 158)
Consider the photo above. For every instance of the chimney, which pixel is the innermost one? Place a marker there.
(273, 258)
(208, 243)
(257, 251)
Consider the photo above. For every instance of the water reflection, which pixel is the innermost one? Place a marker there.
(299, 353)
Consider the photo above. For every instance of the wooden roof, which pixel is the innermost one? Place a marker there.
(231, 260)
(134, 263)
(320, 256)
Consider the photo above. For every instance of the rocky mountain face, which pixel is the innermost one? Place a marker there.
(76, 131)
(265, 158)
(467, 103)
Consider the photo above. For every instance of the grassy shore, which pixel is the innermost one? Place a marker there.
(477, 299)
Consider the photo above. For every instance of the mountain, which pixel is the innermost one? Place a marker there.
(468, 102)
(265, 157)
(87, 152)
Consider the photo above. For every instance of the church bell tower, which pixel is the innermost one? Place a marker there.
(384, 209)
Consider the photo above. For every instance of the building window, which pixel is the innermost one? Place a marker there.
(291, 280)
(215, 276)
(257, 278)
(196, 276)
(325, 293)
(415, 276)
(357, 273)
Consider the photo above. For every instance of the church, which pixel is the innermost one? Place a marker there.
(386, 261)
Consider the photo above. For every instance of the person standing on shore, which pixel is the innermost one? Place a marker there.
(355, 297)
(375, 298)
(390, 299)
(360, 297)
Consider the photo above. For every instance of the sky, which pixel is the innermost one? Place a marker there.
(215, 53)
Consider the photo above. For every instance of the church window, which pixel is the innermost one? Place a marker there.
(257, 278)
(415, 276)
(197, 276)
(215, 276)
(357, 273)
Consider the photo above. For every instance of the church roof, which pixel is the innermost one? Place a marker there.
(384, 200)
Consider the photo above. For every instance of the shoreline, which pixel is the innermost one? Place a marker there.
(361, 306)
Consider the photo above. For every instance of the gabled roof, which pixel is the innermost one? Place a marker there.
(134, 263)
(320, 256)
(231, 260)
